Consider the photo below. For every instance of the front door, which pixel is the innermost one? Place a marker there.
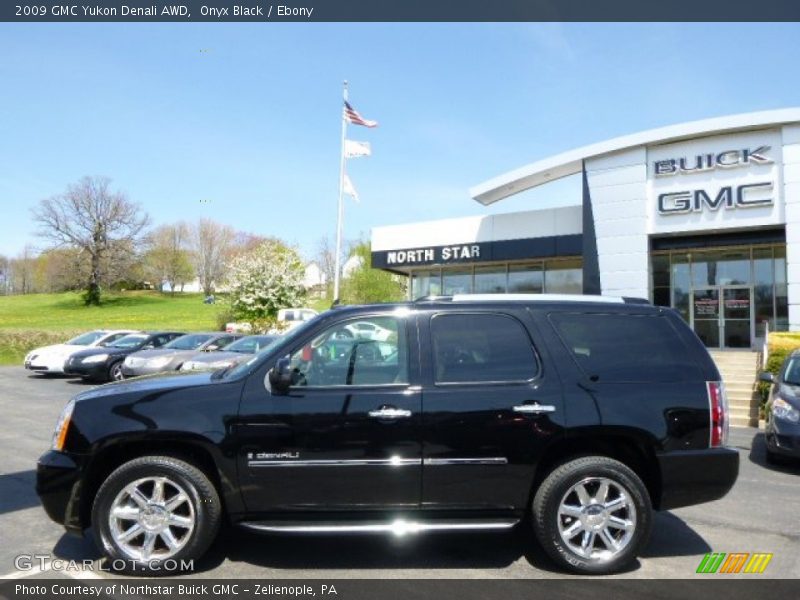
(346, 434)
(722, 316)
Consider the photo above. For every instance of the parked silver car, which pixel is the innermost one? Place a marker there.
(172, 356)
(237, 352)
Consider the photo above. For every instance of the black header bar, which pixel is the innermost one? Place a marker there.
(400, 11)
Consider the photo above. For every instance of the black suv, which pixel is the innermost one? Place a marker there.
(461, 413)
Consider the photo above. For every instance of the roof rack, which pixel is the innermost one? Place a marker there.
(533, 298)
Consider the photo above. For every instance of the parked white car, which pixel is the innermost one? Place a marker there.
(50, 359)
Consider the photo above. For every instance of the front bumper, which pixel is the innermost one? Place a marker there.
(783, 437)
(88, 370)
(46, 365)
(696, 476)
(58, 485)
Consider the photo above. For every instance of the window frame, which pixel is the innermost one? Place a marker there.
(494, 382)
(401, 320)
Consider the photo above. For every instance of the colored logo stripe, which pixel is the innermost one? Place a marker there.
(758, 562)
(711, 562)
(735, 562)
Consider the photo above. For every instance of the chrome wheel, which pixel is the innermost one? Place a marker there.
(152, 518)
(116, 372)
(597, 518)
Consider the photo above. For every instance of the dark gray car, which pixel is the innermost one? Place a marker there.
(173, 355)
(237, 352)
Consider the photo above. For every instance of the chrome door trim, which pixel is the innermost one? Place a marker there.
(395, 461)
(399, 527)
(436, 462)
(534, 409)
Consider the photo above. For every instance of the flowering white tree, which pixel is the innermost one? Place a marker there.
(264, 280)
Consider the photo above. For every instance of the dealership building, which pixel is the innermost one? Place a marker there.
(702, 216)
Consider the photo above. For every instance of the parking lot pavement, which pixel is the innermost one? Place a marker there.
(759, 515)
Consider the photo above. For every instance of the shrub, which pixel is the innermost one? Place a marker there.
(15, 345)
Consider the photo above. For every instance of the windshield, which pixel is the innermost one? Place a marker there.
(189, 342)
(791, 375)
(129, 341)
(287, 339)
(251, 344)
(86, 338)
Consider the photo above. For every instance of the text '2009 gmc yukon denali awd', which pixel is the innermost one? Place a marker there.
(468, 412)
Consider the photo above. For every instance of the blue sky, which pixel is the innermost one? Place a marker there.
(241, 122)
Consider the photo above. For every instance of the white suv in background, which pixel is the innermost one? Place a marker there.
(50, 359)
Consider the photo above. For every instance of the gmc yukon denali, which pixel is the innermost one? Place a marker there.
(574, 416)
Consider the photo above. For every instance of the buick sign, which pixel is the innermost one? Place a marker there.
(708, 162)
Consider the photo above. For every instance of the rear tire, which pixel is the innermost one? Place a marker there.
(115, 372)
(154, 513)
(592, 515)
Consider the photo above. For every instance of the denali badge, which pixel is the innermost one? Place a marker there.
(272, 455)
(708, 162)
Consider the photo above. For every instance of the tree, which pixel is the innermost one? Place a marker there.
(365, 285)
(168, 259)
(104, 225)
(326, 257)
(211, 243)
(265, 280)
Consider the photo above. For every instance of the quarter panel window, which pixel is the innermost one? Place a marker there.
(472, 348)
(625, 348)
(365, 351)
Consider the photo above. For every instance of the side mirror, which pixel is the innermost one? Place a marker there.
(767, 377)
(280, 376)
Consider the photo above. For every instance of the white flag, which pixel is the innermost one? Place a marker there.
(349, 189)
(353, 149)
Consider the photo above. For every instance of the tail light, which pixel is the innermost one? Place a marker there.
(718, 404)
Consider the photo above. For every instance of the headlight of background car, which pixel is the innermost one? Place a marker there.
(220, 364)
(96, 358)
(161, 361)
(62, 426)
(781, 409)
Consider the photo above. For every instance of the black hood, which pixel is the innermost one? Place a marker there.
(105, 350)
(150, 383)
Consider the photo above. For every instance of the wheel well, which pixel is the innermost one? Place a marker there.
(634, 453)
(117, 455)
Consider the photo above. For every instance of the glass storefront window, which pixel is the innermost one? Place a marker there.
(763, 289)
(456, 281)
(490, 280)
(525, 279)
(426, 283)
(563, 277)
(681, 284)
(729, 267)
(781, 292)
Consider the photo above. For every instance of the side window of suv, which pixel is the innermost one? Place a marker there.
(350, 354)
(472, 348)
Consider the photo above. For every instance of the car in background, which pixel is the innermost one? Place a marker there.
(288, 319)
(50, 359)
(782, 427)
(239, 351)
(105, 364)
(171, 356)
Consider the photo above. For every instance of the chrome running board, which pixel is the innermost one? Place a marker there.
(397, 527)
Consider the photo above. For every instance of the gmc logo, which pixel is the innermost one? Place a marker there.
(748, 195)
(708, 162)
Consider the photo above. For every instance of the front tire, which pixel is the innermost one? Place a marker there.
(154, 513)
(592, 515)
(115, 372)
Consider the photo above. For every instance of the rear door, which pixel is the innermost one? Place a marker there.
(491, 406)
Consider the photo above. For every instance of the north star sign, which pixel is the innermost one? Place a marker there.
(749, 195)
(433, 255)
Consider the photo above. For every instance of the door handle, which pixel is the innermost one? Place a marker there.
(389, 412)
(534, 409)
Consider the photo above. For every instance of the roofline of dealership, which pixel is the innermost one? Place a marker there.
(571, 162)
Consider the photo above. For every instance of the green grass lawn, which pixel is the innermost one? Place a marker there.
(30, 320)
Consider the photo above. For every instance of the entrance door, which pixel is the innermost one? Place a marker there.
(736, 317)
(722, 316)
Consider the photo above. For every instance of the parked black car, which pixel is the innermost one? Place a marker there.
(470, 413)
(105, 364)
(782, 430)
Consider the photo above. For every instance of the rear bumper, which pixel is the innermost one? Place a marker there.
(696, 476)
(58, 485)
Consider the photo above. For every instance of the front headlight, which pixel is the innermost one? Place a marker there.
(95, 358)
(781, 409)
(62, 426)
(159, 362)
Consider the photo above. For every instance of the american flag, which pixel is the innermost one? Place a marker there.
(352, 116)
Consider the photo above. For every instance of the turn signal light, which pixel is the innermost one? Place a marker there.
(718, 405)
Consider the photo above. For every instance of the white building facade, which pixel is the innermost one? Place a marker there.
(703, 217)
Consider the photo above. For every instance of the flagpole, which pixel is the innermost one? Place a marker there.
(341, 204)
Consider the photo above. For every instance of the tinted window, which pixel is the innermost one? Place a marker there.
(632, 348)
(86, 338)
(188, 342)
(350, 354)
(481, 347)
(129, 341)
